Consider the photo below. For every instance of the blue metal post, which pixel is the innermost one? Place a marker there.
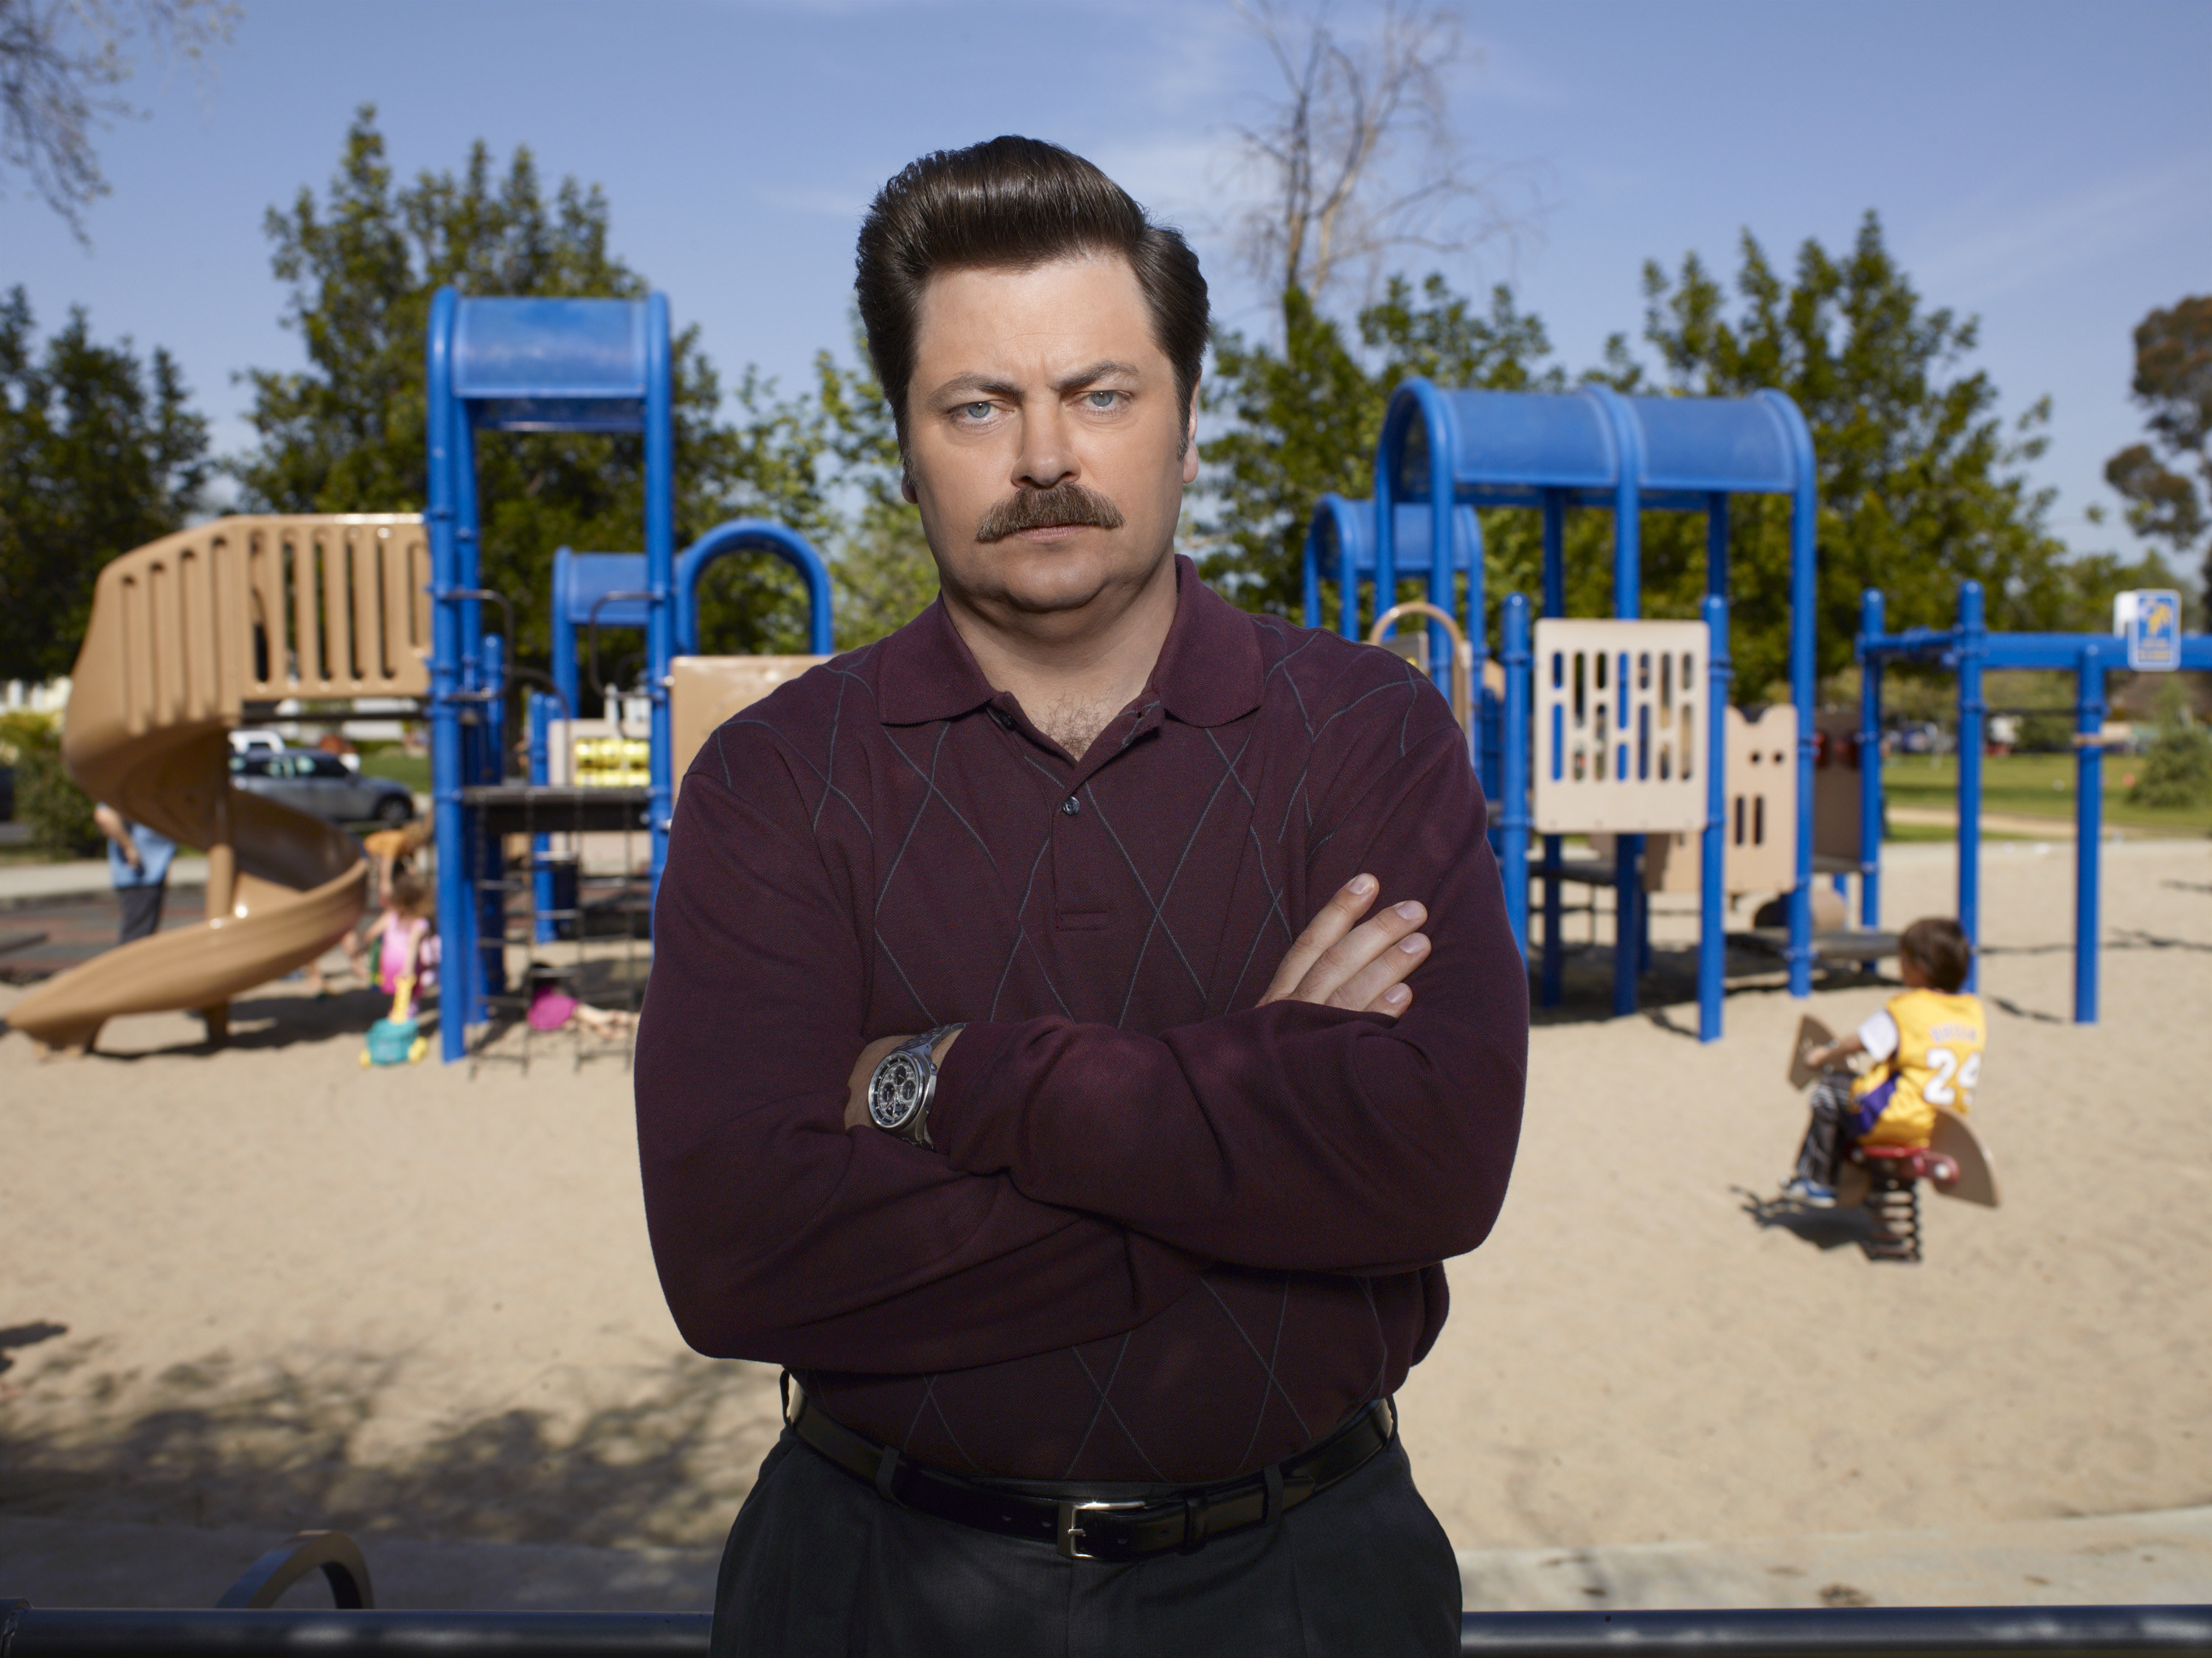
(1716, 545)
(495, 708)
(541, 874)
(1553, 986)
(659, 566)
(483, 967)
(1631, 940)
(1513, 788)
(1311, 566)
(2088, 827)
(1347, 589)
(1442, 499)
(1804, 622)
(1712, 872)
(565, 673)
(454, 912)
(1870, 627)
(491, 763)
(1974, 645)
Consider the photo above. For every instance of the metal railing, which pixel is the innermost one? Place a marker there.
(27, 1631)
(243, 1625)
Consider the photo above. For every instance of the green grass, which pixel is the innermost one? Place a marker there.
(1905, 831)
(391, 761)
(2031, 785)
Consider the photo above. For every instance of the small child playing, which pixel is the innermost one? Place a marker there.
(406, 943)
(1926, 1049)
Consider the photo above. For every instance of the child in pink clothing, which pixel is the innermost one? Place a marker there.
(406, 942)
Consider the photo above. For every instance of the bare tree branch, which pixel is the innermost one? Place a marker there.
(60, 62)
(1358, 157)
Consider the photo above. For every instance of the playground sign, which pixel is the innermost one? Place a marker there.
(2150, 620)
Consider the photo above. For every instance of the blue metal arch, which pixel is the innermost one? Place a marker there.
(754, 535)
(1595, 448)
(1340, 547)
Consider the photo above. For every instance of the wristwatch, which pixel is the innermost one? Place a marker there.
(904, 1083)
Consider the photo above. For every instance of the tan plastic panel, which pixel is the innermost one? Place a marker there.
(1760, 842)
(185, 630)
(704, 691)
(1652, 717)
(1761, 834)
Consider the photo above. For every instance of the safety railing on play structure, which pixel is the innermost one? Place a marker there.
(243, 1625)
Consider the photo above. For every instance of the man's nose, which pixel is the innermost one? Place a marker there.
(1048, 452)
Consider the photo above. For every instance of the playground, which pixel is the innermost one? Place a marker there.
(414, 1301)
(287, 1292)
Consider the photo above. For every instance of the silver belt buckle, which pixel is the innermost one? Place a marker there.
(1069, 1531)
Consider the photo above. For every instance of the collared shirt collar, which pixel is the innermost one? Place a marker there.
(1209, 671)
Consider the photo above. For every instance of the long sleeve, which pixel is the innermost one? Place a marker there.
(780, 1235)
(1291, 1136)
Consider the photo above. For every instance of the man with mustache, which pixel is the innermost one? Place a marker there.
(1080, 1022)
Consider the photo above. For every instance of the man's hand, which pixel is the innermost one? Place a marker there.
(1340, 961)
(864, 1069)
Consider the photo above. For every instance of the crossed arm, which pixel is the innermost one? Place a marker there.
(1338, 961)
(1084, 1174)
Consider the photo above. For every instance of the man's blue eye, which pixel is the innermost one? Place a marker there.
(1104, 399)
(975, 410)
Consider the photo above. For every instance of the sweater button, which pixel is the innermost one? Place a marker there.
(1070, 805)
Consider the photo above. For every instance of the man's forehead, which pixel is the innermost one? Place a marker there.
(1050, 318)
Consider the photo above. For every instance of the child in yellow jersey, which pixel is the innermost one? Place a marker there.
(1926, 1048)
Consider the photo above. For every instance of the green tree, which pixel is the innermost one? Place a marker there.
(2177, 767)
(347, 433)
(1302, 419)
(884, 573)
(1919, 479)
(2173, 382)
(100, 453)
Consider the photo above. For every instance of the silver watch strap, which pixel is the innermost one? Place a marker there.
(916, 1128)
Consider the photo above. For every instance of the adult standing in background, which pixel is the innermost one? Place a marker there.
(138, 860)
(1080, 1023)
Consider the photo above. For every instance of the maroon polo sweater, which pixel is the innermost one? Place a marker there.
(1165, 1233)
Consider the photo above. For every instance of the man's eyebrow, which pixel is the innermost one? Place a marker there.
(990, 386)
(1096, 371)
(984, 383)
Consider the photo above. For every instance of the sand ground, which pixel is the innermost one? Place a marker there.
(261, 1287)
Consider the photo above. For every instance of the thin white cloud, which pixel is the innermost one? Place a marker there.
(2089, 225)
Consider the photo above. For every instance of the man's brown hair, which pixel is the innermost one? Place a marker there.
(1013, 204)
(1940, 946)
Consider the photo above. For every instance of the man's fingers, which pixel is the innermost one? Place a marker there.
(1337, 918)
(1371, 986)
(1354, 952)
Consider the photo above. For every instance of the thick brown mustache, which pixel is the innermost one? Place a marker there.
(1038, 509)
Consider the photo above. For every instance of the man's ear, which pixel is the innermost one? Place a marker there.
(1190, 439)
(907, 491)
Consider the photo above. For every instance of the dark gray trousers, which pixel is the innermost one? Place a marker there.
(817, 1564)
(142, 911)
(1827, 1136)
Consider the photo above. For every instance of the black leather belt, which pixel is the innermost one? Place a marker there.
(1083, 1529)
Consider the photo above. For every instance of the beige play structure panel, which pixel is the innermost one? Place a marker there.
(1620, 712)
(705, 690)
(1758, 838)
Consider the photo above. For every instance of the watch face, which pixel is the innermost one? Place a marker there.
(895, 1092)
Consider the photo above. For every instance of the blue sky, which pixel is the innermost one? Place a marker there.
(2041, 165)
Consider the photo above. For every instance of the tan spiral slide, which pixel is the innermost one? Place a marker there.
(187, 634)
